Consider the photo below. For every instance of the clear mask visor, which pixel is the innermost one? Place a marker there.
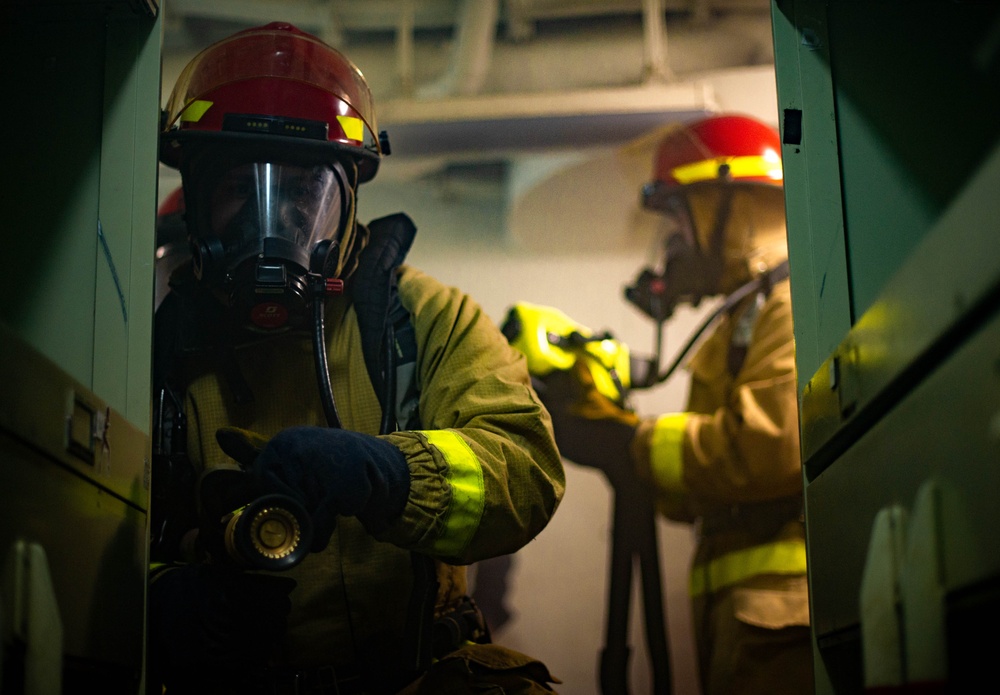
(258, 201)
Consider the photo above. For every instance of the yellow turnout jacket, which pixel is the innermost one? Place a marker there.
(731, 461)
(486, 474)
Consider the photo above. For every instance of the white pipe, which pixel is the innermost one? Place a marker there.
(471, 54)
(655, 68)
(404, 47)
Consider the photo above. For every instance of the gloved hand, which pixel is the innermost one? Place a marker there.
(330, 471)
(212, 623)
(590, 429)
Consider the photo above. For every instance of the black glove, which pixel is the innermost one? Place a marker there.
(330, 471)
(212, 623)
(590, 429)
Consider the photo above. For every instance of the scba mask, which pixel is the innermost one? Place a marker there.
(684, 270)
(262, 231)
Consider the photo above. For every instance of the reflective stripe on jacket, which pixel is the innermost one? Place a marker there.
(777, 557)
(464, 474)
(735, 447)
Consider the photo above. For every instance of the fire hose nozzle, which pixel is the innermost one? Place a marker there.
(273, 532)
(248, 526)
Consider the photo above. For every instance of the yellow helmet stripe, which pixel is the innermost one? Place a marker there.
(193, 112)
(354, 128)
(739, 167)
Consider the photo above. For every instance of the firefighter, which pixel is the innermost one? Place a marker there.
(391, 429)
(729, 461)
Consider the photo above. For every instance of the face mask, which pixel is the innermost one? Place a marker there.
(263, 227)
(685, 274)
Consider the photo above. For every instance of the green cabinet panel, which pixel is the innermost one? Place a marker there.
(127, 218)
(51, 228)
(943, 432)
(813, 204)
(81, 81)
(918, 102)
(74, 483)
(888, 108)
(924, 311)
(83, 87)
(891, 142)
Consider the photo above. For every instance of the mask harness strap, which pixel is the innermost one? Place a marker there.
(717, 242)
(710, 261)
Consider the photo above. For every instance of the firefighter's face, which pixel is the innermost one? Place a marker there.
(263, 199)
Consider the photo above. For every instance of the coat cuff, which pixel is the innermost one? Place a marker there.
(666, 452)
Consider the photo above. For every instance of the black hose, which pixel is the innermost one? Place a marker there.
(322, 369)
(765, 281)
(389, 381)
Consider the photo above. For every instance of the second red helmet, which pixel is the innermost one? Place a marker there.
(722, 147)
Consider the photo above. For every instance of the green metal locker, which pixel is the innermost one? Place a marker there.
(890, 115)
(81, 82)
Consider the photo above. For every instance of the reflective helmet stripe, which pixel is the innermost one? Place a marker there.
(782, 557)
(354, 128)
(468, 492)
(193, 112)
(750, 166)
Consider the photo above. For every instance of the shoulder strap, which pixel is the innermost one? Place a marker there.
(740, 343)
(185, 325)
(387, 337)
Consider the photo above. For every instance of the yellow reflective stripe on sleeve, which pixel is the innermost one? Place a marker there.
(739, 167)
(354, 128)
(468, 492)
(666, 452)
(783, 557)
(193, 112)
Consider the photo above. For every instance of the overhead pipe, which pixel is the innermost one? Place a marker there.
(655, 68)
(404, 47)
(471, 54)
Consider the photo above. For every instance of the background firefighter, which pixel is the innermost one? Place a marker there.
(729, 462)
(296, 354)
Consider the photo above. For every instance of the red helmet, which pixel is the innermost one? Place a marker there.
(729, 147)
(280, 83)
